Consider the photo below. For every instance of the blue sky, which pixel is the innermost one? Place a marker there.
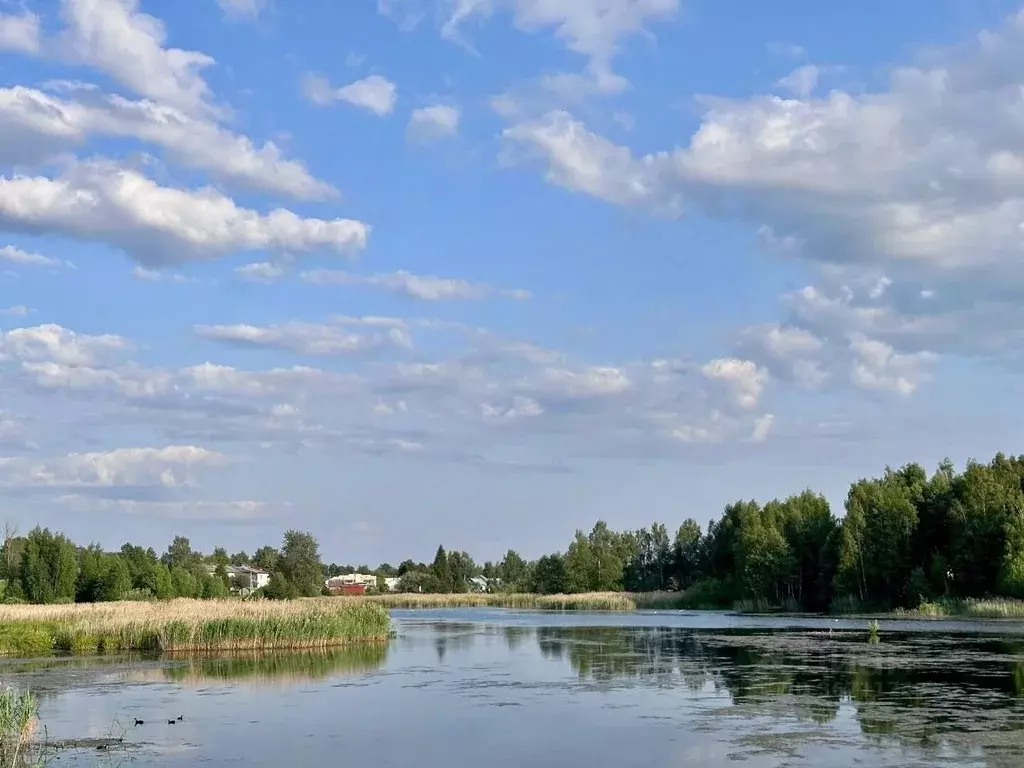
(479, 272)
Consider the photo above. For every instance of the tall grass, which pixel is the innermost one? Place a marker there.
(971, 608)
(18, 721)
(189, 625)
(584, 601)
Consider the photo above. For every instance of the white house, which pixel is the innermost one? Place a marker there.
(349, 579)
(245, 579)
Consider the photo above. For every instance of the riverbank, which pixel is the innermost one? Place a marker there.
(583, 601)
(990, 608)
(189, 625)
(980, 608)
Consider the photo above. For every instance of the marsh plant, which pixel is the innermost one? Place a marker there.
(18, 722)
(873, 631)
(189, 625)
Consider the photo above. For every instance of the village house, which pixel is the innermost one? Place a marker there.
(244, 579)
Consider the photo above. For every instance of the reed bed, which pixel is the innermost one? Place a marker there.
(585, 601)
(971, 608)
(18, 722)
(189, 625)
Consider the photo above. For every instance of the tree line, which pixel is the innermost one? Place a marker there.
(905, 537)
(47, 567)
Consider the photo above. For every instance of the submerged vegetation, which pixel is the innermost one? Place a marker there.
(189, 625)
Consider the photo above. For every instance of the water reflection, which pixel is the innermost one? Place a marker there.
(912, 690)
(275, 669)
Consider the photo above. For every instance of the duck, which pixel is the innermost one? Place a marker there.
(139, 722)
(180, 718)
(172, 722)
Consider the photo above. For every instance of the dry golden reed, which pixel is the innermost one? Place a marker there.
(189, 625)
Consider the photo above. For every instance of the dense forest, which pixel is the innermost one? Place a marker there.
(905, 537)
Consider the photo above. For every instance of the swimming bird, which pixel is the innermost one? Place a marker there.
(171, 722)
(180, 718)
(139, 722)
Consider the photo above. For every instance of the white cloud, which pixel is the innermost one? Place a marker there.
(438, 121)
(309, 338)
(157, 276)
(195, 510)
(743, 377)
(920, 184)
(374, 93)
(17, 256)
(115, 37)
(406, 13)
(35, 125)
(801, 81)
(878, 366)
(169, 467)
(18, 310)
(762, 428)
(53, 342)
(158, 225)
(260, 272)
(243, 10)
(585, 162)
(423, 287)
(591, 28)
(19, 33)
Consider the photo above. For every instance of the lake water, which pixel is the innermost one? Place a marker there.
(511, 688)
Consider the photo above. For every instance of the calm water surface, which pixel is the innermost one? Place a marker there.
(509, 688)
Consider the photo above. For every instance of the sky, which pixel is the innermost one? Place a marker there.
(480, 272)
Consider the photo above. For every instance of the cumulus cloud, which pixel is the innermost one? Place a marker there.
(14, 255)
(53, 342)
(19, 32)
(115, 37)
(433, 123)
(312, 338)
(157, 225)
(583, 161)
(35, 125)
(745, 380)
(878, 366)
(922, 181)
(374, 93)
(169, 467)
(423, 287)
(260, 272)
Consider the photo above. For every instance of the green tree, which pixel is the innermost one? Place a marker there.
(115, 581)
(220, 557)
(240, 558)
(49, 567)
(163, 584)
(442, 572)
(265, 559)
(686, 555)
(91, 569)
(300, 564)
(513, 572)
(185, 584)
(578, 565)
(180, 554)
(549, 575)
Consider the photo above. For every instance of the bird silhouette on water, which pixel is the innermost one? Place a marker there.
(139, 722)
(172, 722)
